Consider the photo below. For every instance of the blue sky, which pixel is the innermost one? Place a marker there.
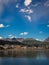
(24, 18)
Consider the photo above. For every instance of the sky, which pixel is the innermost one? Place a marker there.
(24, 19)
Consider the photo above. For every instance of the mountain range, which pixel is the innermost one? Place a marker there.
(21, 41)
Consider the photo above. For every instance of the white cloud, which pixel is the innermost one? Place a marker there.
(28, 17)
(2, 25)
(1, 37)
(11, 36)
(22, 10)
(17, 6)
(27, 2)
(24, 33)
(28, 11)
(47, 25)
(37, 39)
(21, 33)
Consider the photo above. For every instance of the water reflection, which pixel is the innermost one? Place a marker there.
(32, 54)
(13, 57)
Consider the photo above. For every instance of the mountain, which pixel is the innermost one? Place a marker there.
(7, 42)
(14, 39)
(20, 41)
(32, 42)
(24, 42)
(47, 39)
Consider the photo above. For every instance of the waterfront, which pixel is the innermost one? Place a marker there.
(13, 57)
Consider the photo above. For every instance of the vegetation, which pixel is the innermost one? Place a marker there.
(36, 43)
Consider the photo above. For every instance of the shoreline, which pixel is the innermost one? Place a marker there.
(28, 49)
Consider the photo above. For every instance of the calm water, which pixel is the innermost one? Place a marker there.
(24, 57)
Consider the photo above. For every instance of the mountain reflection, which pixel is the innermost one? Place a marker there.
(18, 54)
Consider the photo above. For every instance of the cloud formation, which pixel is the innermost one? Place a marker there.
(11, 36)
(24, 33)
(27, 2)
(2, 25)
(1, 37)
(37, 39)
(17, 6)
(28, 17)
(28, 11)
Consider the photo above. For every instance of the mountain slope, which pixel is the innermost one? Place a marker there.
(47, 39)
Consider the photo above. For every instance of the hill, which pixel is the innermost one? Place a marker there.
(47, 39)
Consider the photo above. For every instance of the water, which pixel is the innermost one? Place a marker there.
(11, 57)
